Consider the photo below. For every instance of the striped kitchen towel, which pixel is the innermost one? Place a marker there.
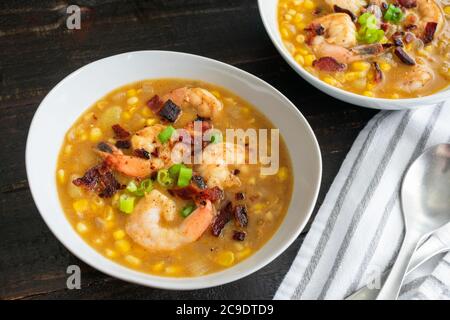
(359, 228)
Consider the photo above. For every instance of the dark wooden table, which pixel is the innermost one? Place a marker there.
(37, 51)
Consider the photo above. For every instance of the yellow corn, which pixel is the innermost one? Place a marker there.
(368, 93)
(110, 253)
(133, 101)
(384, 66)
(309, 60)
(283, 173)
(84, 137)
(308, 4)
(98, 241)
(80, 205)
(330, 80)
(360, 66)
(447, 10)
(151, 121)
(299, 58)
(300, 38)
(146, 112)
(351, 76)
(102, 104)
(61, 176)
(174, 270)
(225, 258)
(257, 207)
(303, 51)
(370, 85)
(244, 253)
(68, 149)
(95, 134)
(123, 245)
(81, 227)
(284, 32)
(395, 96)
(119, 234)
(132, 260)
(287, 17)
(429, 48)
(126, 115)
(131, 93)
(158, 267)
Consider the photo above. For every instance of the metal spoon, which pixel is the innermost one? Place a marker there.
(437, 243)
(425, 196)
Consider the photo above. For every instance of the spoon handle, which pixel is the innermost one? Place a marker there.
(391, 287)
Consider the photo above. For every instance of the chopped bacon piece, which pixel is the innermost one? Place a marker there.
(403, 56)
(409, 37)
(378, 74)
(99, 179)
(430, 29)
(119, 132)
(329, 64)
(212, 194)
(123, 144)
(239, 235)
(351, 14)
(240, 216)
(384, 26)
(196, 193)
(142, 153)
(408, 4)
(410, 27)
(155, 103)
(222, 218)
(239, 196)
(169, 111)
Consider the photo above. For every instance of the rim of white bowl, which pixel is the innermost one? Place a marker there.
(337, 92)
(170, 283)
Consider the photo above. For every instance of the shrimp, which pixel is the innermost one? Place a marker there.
(353, 5)
(144, 226)
(417, 77)
(429, 11)
(215, 161)
(207, 105)
(338, 40)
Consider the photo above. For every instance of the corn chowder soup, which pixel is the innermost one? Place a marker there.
(125, 195)
(386, 49)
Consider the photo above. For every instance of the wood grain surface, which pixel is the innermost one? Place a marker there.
(37, 51)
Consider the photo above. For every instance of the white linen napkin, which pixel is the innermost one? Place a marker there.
(359, 228)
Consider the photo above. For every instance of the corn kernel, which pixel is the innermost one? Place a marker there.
(298, 17)
(283, 173)
(80, 205)
(110, 253)
(422, 53)
(395, 96)
(300, 38)
(258, 207)
(84, 137)
(158, 267)
(98, 241)
(146, 112)
(61, 176)
(309, 60)
(216, 93)
(360, 66)
(151, 121)
(308, 4)
(300, 25)
(132, 260)
(126, 115)
(368, 93)
(284, 32)
(330, 80)
(370, 85)
(303, 51)
(299, 58)
(95, 134)
(102, 104)
(384, 66)
(133, 101)
(119, 234)
(287, 17)
(245, 253)
(131, 93)
(447, 10)
(173, 270)
(225, 258)
(351, 76)
(123, 245)
(81, 227)
(429, 48)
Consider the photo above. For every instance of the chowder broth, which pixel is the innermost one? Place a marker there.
(99, 219)
(408, 62)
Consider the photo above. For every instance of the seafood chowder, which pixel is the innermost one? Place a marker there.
(385, 49)
(130, 182)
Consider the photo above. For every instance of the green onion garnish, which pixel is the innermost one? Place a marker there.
(166, 134)
(184, 177)
(369, 32)
(216, 137)
(393, 14)
(131, 186)
(163, 177)
(187, 210)
(144, 187)
(174, 170)
(126, 203)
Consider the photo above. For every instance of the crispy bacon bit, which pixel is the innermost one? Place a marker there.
(142, 153)
(409, 37)
(384, 26)
(239, 235)
(378, 74)
(199, 181)
(123, 144)
(387, 45)
(430, 29)
(155, 103)
(240, 216)
(329, 64)
(408, 4)
(186, 193)
(317, 11)
(342, 10)
(404, 57)
(119, 132)
(170, 111)
(212, 194)
(155, 153)
(410, 27)
(222, 218)
(236, 172)
(99, 179)
(397, 39)
(239, 196)
(104, 147)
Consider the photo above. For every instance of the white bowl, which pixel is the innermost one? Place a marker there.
(78, 91)
(268, 11)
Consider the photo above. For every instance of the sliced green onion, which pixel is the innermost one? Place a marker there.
(367, 35)
(131, 186)
(187, 210)
(174, 170)
(166, 134)
(184, 177)
(368, 20)
(393, 14)
(126, 203)
(145, 187)
(216, 137)
(163, 177)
